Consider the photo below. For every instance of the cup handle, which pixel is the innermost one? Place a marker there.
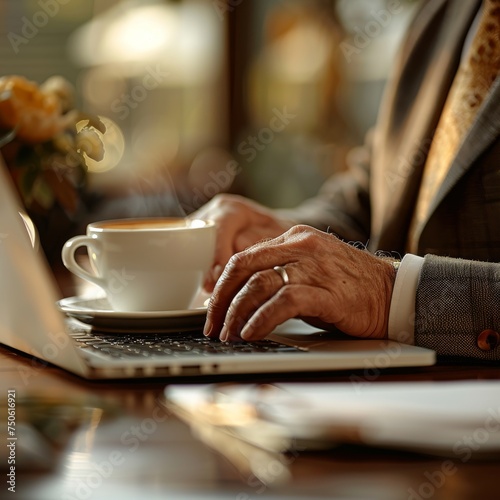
(68, 258)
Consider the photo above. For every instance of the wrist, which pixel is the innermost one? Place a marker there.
(391, 270)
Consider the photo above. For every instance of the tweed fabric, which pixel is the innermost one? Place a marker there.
(456, 300)
(471, 85)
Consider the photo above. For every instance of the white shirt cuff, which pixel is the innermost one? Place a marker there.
(402, 311)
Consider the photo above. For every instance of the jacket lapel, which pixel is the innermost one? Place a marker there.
(406, 133)
(485, 130)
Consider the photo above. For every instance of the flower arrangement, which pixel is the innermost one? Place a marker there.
(45, 142)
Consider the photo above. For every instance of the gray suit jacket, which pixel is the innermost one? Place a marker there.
(373, 202)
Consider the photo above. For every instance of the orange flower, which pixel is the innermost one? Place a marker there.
(35, 115)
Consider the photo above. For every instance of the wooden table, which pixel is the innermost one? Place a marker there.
(127, 446)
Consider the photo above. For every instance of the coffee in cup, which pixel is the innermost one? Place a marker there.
(148, 264)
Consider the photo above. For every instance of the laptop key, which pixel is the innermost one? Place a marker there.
(131, 346)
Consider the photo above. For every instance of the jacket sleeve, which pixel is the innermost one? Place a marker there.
(458, 308)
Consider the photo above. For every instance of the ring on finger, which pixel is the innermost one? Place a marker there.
(284, 275)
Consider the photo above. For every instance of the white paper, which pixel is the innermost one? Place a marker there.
(453, 418)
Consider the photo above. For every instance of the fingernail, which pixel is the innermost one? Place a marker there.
(207, 329)
(224, 334)
(245, 334)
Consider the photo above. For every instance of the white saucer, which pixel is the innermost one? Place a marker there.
(98, 313)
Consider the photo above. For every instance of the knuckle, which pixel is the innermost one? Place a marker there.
(237, 261)
(220, 199)
(260, 281)
(287, 296)
(304, 232)
(214, 304)
(305, 229)
(225, 200)
(299, 229)
(215, 310)
(245, 259)
(234, 317)
(306, 236)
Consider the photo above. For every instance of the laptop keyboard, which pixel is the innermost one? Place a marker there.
(125, 346)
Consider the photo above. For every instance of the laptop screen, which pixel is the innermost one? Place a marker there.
(29, 319)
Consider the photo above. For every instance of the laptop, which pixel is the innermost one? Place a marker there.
(31, 322)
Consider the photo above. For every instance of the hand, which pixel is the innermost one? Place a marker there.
(330, 282)
(240, 223)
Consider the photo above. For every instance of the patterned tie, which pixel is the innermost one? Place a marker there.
(477, 72)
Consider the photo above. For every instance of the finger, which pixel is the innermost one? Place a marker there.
(227, 229)
(240, 241)
(226, 288)
(290, 302)
(210, 278)
(258, 290)
(239, 225)
(243, 240)
(237, 272)
(237, 232)
(262, 256)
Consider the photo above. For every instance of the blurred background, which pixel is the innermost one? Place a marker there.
(258, 97)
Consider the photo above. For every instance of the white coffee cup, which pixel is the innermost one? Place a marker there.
(149, 264)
